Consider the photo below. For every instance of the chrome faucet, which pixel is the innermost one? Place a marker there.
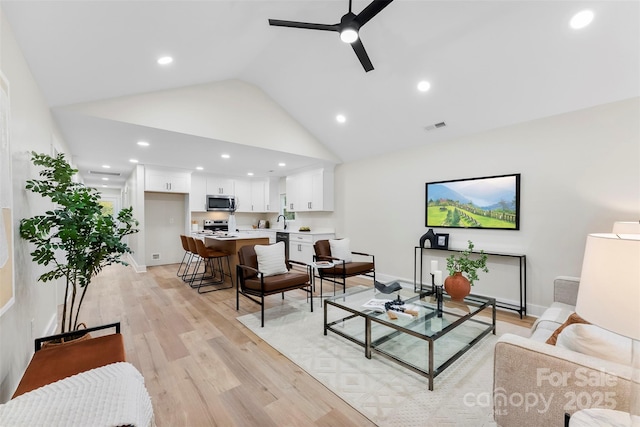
(284, 219)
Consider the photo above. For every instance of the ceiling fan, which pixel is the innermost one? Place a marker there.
(348, 28)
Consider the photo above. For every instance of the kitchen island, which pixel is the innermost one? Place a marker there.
(232, 244)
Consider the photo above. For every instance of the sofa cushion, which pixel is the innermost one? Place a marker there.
(554, 316)
(573, 318)
(540, 334)
(340, 249)
(278, 283)
(271, 259)
(595, 341)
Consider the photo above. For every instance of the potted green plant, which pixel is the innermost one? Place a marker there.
(75, 237)
(457, 285)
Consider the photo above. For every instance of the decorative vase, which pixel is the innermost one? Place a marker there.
(231, 224)
(457, 286)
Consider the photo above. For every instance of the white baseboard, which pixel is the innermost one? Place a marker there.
(535, 310)
(138, 268)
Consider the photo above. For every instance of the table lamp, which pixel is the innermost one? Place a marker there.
(626, 227)
(609, 295)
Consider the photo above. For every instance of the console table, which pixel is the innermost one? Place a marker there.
(520, 309)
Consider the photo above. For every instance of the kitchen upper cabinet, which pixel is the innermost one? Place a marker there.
(217, 185)
(293, 182)
(198, 194)
(271, 195)
(243, 195)
(167, 181)
(257, 195)
(310, 191)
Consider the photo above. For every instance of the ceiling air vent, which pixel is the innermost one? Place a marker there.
(104, 173)
(435, 126)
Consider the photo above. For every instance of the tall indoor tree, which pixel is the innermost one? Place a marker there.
(75, 238)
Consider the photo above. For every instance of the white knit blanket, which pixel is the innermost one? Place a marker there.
(112, 395)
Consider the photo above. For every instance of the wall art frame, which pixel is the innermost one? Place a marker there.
(7, 268)
(442, 241)
(491, 202)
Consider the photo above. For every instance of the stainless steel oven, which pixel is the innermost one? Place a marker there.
(216, 224)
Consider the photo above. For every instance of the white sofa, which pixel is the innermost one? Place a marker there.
(536, 383)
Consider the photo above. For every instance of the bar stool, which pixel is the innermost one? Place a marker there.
(190, 277)
(210, 256)
(188, 255)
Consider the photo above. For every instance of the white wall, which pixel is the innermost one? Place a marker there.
(165, 216)
(580, 173)
(32, 129)
(217, 110)
(133, 195)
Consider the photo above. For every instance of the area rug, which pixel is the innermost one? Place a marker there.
(386, 393)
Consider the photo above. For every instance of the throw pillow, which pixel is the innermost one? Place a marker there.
(340, 249)
(573, 318)
(595, 341)
(271, 259)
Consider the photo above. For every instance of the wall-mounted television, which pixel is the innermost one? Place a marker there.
(491, 202)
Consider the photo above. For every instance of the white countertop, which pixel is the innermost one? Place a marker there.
(281, 230)
(235, 236)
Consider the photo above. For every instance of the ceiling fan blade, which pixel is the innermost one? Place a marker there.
(306, 25)
(370, 11)
(358, 48)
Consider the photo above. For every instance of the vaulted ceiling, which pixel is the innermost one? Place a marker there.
(490, 64)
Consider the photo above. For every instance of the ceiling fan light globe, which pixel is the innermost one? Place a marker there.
(349, 35)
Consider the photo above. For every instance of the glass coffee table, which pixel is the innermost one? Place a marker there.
(425, 342)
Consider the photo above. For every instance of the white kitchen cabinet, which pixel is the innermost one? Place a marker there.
(167, 181)
(220, 185)
(243, 195)
(257, 195)
(271, 195)
(310, 191)
(301, 245)
(198, 194)
(293, 182)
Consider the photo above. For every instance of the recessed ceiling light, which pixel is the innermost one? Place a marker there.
(282, 164)
(105, 179)
(581, 19)
(341, 118)
(225, 156)
(106, 166)
(199, 168)
(424, 86)
(250, 173)
(133, 160)
(104, 185)
(143, 143)
(165, 60)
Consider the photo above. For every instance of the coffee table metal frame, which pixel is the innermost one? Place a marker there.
(479, 303)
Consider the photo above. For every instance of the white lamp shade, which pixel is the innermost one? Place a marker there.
(609, 293)
(626, 227)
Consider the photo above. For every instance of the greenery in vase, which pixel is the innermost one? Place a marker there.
(76, 237)
(462, 263)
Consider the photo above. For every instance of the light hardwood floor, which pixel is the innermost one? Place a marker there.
(204, 368)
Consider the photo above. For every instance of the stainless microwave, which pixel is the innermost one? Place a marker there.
(221, 203)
